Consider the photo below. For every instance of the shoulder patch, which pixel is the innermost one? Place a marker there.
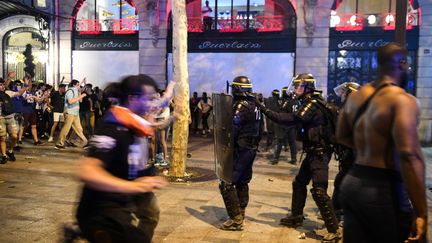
(102, 142)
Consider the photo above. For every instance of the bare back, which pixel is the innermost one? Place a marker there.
(386, 128)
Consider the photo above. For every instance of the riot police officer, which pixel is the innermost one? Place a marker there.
(286, 134)
(246, 134)
(315, 137)
(271, 103)
(343, 154)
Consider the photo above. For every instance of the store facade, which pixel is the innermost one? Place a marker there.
(266, 40)
(252, 38)
(21, 24)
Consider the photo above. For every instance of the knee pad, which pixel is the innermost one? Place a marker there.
(225, 187)
(319, 194)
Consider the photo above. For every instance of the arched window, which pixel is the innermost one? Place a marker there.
(14, 44)
(240, 15)
(357, 14)
(97, 16)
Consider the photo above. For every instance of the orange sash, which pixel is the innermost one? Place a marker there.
(138, 124)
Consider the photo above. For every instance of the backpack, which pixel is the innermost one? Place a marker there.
(331, 113)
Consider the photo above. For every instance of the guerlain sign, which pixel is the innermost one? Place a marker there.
(209, 45)
(106, 44)
(350, 44)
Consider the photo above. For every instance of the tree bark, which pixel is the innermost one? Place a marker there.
(181, 98)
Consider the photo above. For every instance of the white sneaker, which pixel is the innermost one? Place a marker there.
(50, 139)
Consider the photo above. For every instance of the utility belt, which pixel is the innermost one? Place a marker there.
(316, 150)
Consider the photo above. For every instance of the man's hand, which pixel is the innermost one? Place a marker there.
(148, 184)
(11, 75)
(418, 230)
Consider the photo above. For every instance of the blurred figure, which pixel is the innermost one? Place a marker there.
(205, 106)
(117, 202)
(193, 105)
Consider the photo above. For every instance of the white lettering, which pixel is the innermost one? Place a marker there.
(229, 45)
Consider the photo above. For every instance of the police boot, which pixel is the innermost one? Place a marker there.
(292, 221)
(332, 237)
(232, 205)
(235, 224)
(325, 207)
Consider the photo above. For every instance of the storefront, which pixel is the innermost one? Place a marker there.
(356, 35)
(104, 40)
(245, 37)
(26, 25)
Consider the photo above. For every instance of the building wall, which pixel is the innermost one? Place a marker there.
(312, 50)
(424, 72)
(64, 41)
(152, 48)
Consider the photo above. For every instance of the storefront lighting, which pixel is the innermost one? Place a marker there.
(389, 18)
(42, 57)
(334, 20)
(353, 20)
(11, 59)
(371, 19)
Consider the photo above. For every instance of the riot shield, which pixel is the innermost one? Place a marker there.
(223, 136)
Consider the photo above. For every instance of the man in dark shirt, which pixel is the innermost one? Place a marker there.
(57, 103)
(193, 104)
(117, 203)
(86, 107)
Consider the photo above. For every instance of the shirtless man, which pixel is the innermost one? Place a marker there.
(384, 194)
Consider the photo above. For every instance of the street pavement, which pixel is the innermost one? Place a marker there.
(39, 193)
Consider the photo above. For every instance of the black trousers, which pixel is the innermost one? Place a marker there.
(133, 222)
(314, 167)
(376, 207)
(287, 134)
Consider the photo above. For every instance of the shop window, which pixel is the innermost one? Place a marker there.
(240, 15)
(361, 67)
(97, 16)
(14, 44)
(357, 14)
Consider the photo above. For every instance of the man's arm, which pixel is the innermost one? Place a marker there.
(75, 100)
(344, 132)
(92, 173)
(282, 118)
(412, 167)
(9, 77)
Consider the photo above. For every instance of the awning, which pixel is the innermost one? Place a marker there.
(13, 7)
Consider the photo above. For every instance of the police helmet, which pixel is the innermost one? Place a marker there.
(347, 88)
(241, 86)
(306, 80)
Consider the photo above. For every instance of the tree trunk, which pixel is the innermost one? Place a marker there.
(181, 98)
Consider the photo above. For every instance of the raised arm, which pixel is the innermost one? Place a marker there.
(412, 167)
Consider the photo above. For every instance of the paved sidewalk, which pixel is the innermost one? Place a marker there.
(38, 193)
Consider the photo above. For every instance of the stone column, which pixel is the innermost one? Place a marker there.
(64, 41)
(424, 71)
(313, 23)
(152, 39)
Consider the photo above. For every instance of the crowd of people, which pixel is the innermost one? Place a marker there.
(39, 111)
